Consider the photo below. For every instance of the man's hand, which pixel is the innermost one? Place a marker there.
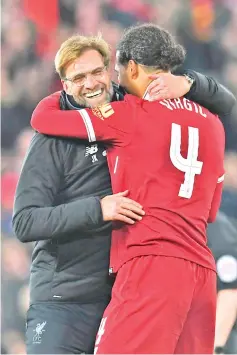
(167, 86)
(117, 207)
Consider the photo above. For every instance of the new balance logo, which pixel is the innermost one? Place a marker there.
(91, 150)
(94, 158)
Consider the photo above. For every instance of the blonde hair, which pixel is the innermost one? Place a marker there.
(74, 46)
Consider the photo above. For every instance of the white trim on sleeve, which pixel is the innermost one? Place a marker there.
(88, 124)
(221, 178)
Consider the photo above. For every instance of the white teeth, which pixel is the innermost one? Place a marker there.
(95, 93)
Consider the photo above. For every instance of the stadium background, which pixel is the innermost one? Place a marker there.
(32, 31)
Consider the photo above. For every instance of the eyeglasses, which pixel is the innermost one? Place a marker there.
(80, 79)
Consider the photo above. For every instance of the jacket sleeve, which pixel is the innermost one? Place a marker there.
(207, 92)
(36, 215)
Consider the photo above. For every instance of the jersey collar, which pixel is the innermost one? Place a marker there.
(146, 95)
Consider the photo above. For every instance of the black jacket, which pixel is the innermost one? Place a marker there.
(222, 240)
(57, 204)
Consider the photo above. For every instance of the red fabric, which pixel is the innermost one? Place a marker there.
(8, 187)
(160, 305)
(215, 203)
(156, 172)
(44, 13)
(203, 15)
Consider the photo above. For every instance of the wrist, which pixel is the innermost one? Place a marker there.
(100, 202)
(190, 80)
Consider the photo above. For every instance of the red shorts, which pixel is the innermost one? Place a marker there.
(160, 305)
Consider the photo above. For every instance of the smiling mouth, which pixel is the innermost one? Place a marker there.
(93, 94)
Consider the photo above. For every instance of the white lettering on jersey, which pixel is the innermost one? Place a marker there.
(195, 106)
(172, 103)
(187, 104)
(177, 104)
(201, 111)
(190, 166)
(166, 104)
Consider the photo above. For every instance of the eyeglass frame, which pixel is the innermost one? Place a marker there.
(103, 69)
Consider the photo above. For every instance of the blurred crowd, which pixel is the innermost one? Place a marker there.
(32, 31)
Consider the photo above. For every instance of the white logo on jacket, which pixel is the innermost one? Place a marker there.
(91, 151)
(38, 332)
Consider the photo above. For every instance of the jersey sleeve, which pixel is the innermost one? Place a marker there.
(110, 123)
(216, 201)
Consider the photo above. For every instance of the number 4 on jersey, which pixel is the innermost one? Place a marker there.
(190, 166)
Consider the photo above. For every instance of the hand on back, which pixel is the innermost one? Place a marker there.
(118, 207)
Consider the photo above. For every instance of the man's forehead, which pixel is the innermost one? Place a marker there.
(84, 68)
(85, 65)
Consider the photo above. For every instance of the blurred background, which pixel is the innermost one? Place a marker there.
(32, 31)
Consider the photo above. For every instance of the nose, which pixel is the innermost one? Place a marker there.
(90, 82)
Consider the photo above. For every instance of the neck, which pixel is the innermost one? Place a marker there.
(151, 78)
(146, 95)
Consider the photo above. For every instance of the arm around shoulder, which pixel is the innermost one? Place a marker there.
(209, 93)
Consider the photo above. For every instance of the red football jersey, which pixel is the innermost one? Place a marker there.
(169, 155)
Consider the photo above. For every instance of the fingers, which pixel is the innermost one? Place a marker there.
(127, 200)
(124, 193)
(167, 86)
(130, 214)
(153, 76)
(117, 207)
(131, 207)
(124, 219)
(158, 90)
(160, 95)
(155, 86)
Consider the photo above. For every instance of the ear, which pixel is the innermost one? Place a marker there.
(133, 69)
(66, 87)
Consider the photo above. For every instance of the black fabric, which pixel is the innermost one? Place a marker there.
(231, 344)
(222, 240)
(57, 205)
(62, 328)
(209, 93)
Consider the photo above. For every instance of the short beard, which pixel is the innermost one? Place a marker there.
(84, 103)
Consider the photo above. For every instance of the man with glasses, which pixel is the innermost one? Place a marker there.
(64, 203)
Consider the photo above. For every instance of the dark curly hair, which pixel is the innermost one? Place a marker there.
(151, 46)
